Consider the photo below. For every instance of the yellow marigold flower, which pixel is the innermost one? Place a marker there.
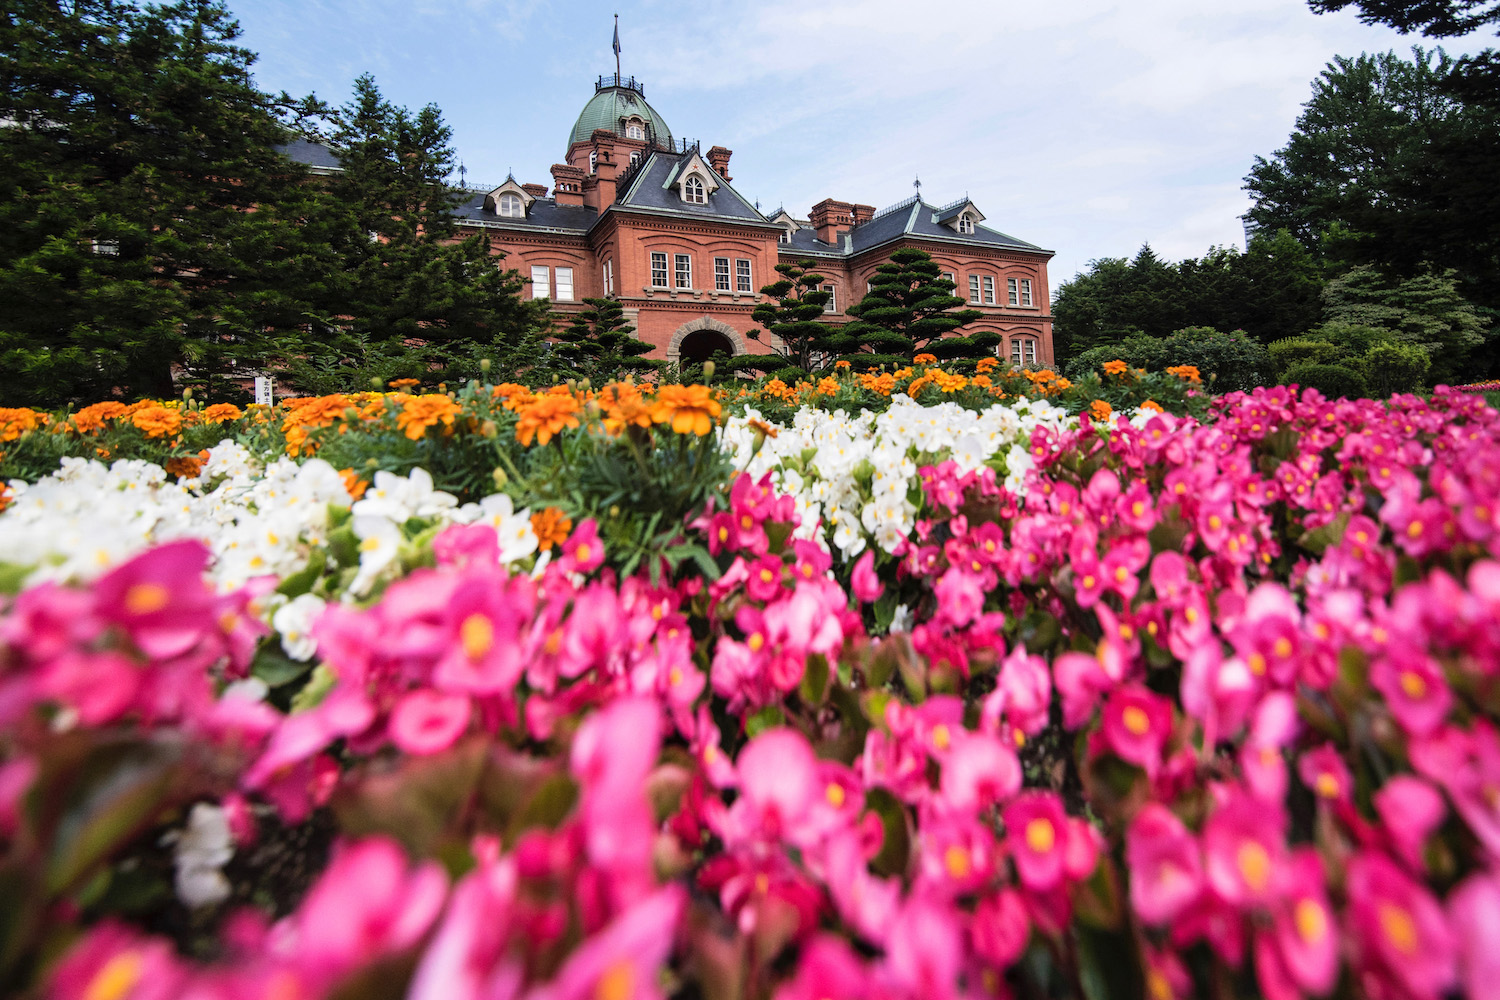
(404, 383)
(1100, 409)
(1152, 405)
(91, 418)
(987, 365)
(690, 409)
(925, 359)
(220, 412)
(546, 416)
(1116, 367)
(421, 412)
(1186, 372)
(157, 421)
(16, 421)
(551, 527)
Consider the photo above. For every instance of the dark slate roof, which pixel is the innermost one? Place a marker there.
(545, 214)
(308, 153)
(919, 220)
(649, 190)
(806, 241)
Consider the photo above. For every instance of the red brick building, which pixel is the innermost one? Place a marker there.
(655, 222)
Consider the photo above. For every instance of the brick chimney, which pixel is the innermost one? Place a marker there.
(567, 185)
(599, 187)
(830, 218)
(535, 190)
(862, 213)
(718, 158)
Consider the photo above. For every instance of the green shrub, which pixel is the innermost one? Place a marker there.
(1392, 367)
(1354, 338)
(1233, 360)
(1332, 381)
(1291, 351)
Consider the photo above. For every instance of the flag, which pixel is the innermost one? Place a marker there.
(617, 38)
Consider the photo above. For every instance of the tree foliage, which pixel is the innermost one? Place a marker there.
(794, 322)
(910, 309)
(599, 343)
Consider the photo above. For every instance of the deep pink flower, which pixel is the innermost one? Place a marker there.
(114, 961)
(583, 552)
(925, 949)
(1166, 871)
(1306, 936)
(1474, 915)
(1036, 832)
(1410, 810)
(426, 721)
(778, 781)
(16, 777)
(625, 958)
(1080, 680)
(159, 599)
(1242, 846)
(978, 772)
(764, 581)
(1324, 772)
(960, 597)
(1414, 687)
(1137, 724)
(344, 712)
(865, 581)
(99, 687)
(1023, 693)
(466, 958)
(1000, 928)
(828, 969)
(1401, 930)
(484, 622)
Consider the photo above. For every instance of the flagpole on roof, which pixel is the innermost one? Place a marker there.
(617, 48)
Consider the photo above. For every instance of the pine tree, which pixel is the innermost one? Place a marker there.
(599, 344)
(134, 150)
(793, 322)
(910, 309)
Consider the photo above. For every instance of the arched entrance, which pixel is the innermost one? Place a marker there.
(700, 345)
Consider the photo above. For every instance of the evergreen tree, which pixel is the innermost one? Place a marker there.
(133, 150)
(910, 309)
(1425, 310)
(600, 344)
(793, 321)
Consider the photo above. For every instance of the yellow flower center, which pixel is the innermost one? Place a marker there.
(1412, 685)
(1257, 664)
(1283, 647)
(755, 642)
(1157, 987)
(1311, 920)
(477, 634)
(1399, 928)
(940, 737)
(956, 860)
(1327, 786)
(617, 983)
(117, 978)
(1136, 720)
(144, 598)
(1254, 864)
(581, 554)
(835, 794)
(1041, 835)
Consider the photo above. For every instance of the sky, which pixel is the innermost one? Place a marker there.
(1087, 127)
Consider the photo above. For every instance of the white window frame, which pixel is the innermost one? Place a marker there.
(635, 157)
(950, 276)
(966, 223)
(106, 248)
(682, 270)
(1023, 350)
(831, 306)
(693, 191)
(609, 277)
(564, 279)
(1026, 292)
(743, 276)
(1011, 295)
(660, 276)
(635, 130)
(721, 274)
(974, 289)
(989, 290)
(594, 161)
(511, 206)
(541, 277)
(785, 237)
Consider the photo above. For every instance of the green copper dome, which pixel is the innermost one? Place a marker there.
(615, 100)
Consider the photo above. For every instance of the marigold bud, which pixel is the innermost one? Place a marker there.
(488, 429)
(376, 383)
(484, 365)
(500, 478)
(708, 371)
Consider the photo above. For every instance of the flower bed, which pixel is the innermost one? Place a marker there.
(1044, 705)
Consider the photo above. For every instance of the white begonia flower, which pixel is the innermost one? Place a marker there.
(379, 544)
(902, 619)
(294, 620)
(202, 850)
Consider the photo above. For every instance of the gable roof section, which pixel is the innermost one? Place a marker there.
(921, 220)
(314, 155)
(544, 215)
(650, 189)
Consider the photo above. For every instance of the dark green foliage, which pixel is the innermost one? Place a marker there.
(1394, 367)
(1425, 310)
(134, 146)
(1332, 381)
(1226, 361)
(599, 345)
(1291, 351)
(910, 309)
(1434, 18)
(796, 318)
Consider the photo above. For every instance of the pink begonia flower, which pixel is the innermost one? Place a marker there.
(344, 712)
(1305, 935)
(612, 755)
(1466, 765)
(593, 631)
(466, 958)
(1401, 931)
(1261, 759)
(1080, 680)
(112, 961)
(462, 546)
(1166, 869)
(624, 959)
(763, 583)
(1022, 695)
(924, 950)
(1036, 830)
(427, 722)
(828, 969)
(1243, 844)
(957, 856)
(1414, 687)
(483, 634)
(778, 782)
(1136, 726)
(1410, 809)
(1324, 772)
(368, 903)
(978, 772)
(810, 560)
(1000, 928)
(866, 902)
(159, 598)
(960, 598)
(865, 582)
(99, 687)
(1474, 915)
(583, 552)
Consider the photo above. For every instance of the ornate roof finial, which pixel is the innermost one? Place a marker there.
(917, 184)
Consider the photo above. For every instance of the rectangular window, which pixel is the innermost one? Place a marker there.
(721, 274)
(1010, 292)
(869, 287)
(989, 290)
(609, 277)
(742, 276)
(1023, 351)
(974, 288)
(1015, 352)
(565, 284)
(107, 248)
(541, 284)
(831, 306)
(684, 270)
(1025, 291)
(950, 276)
(658, 270)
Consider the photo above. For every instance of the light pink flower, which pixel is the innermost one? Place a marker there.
(1166, 870)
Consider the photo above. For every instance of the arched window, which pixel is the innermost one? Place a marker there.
(593, 162)
(966, 223)
(635, 157)
(511, 206)
(692, 191)
(633, 130)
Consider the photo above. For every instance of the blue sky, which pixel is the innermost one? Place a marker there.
(1084, 126)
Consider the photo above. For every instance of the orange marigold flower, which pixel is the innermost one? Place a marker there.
(546, 416)
(220, 412)
(690, 409)
(1152, 405)
(404, 383)
(917, 385)
(901, 373)
(1116, 367)
(551, 527)
(157, 421)
(925, 359)
(91, 418)
(842, 365)
(624, 406)
(17, 421)
(1187, 372)
(982, 381)
(421, 412)
(6, 496)
(828, 386)
(946, 381)
(769, 430)
(986, 365)
(355, 485)
(1100, 409)
(184, 467)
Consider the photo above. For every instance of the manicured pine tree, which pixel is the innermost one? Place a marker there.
(599, 344)
(910, 309)
(793, 321)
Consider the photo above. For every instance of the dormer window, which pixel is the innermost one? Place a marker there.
(635, 129)
(511, 206)
(510, 200)
(966, 223)
(785, 237)
(692, 192)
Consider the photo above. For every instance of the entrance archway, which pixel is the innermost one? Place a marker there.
(700, 345)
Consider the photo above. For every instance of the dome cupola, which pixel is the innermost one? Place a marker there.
(619, 105)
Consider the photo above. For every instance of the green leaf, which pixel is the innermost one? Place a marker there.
(895, 845)
(316, 689)
(302, 581)
(12, 577)
(1318, 540)
(767, 718)
(272, 665)
(814, 679)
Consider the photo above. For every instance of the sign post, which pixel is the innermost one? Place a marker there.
(263, 394)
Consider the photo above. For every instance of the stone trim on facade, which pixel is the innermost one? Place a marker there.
(704, 323)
